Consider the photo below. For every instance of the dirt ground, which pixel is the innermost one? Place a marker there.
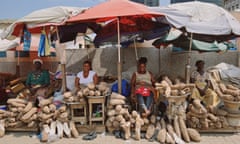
(31, 138)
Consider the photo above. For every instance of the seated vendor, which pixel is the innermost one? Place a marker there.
(86, 76)
(38, 79)
(203, 90)
(142, 89)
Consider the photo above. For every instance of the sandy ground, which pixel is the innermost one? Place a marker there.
(25, 138)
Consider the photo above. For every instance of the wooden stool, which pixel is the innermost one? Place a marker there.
(96, 100)
(75, 111)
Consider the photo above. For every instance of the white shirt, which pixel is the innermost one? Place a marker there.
(198, 77)
(87, 80)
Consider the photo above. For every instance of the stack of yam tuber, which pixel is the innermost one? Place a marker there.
(117, 115)
(21, 113)
(211, 117)
(90, 90)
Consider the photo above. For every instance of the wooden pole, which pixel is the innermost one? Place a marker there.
(119, 60)
(188, 65)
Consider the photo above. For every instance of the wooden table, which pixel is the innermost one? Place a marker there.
(96, 100)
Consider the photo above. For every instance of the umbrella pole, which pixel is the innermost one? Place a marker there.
(135, 47)
(188, 66)
(63, 67)
(119, 60)
(18, 65)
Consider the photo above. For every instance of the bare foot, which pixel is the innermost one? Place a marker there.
(148, 112)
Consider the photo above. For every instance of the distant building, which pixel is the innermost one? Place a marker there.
(217, 2)
(148, 2)
(231, 5)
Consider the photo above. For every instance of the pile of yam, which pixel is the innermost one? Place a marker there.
(90, 90)
(199, 117)
(21, 114)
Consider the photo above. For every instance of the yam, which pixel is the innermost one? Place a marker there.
(86, 91)
(108, 123)
(117, 102)
(67, 94)
(66, 129)
(138, 124)
(102, 86)
(2, 128)
(46, 102)
(194, 135)
(22, 101)
(134, 114)
(115, 95)
(97, 93)
(32, 124)
(91, 93)
(116, 124)
(80, 94)
(91, 86)
(126, 129)
(163, 123)
(29, 114)
(183, 129)
(46, 109)
(169, 139)
(52, 107)
(118, 108)
(119, 118)
(222, 87)
(161, 137)
(212, 117)
(150, 131)
(170, 130)
(62, 109)
(16, 104)
(229, 86)
(111, 112)
(28, 107)
(73, 129)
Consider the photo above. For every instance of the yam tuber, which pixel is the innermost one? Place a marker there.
(183, 129)
(29, 114)
(28, 107)
(115, 95)
(194, 135)
(73, 129)
(138, 124)
(150, 131)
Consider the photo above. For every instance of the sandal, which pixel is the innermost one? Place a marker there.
(90, 136)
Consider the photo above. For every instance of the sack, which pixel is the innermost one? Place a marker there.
(144, 91)
(126, 88)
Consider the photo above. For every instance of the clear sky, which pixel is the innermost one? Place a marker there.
(14, 9)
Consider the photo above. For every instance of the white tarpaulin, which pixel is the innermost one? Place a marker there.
(8, 44)
(42, 17)
(200, 18)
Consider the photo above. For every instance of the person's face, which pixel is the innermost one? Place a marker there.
(37, 65)
(86, 67)
(200, 66)
(142, 68)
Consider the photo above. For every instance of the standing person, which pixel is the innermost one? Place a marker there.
(86, 76)
(38, 80)
(142, 89)
(202, 90)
